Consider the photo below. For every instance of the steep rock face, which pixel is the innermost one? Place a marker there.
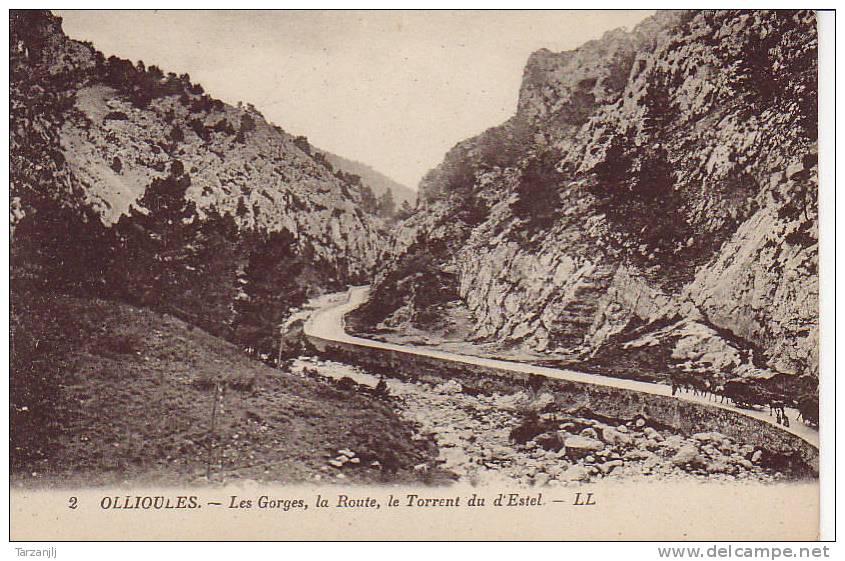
(652, 202)
(116, 128)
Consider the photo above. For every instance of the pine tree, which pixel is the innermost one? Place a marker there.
(369, 202)
(386, 205)
(270, 288)
(212, 271)
(157, 240)
(60, 248)
(405, 210)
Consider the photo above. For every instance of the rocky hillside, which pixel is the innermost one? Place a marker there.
(650, 206)
(377, 181)
(132, 183)
(109, 127)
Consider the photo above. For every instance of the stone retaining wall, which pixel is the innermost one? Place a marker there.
(603, 401)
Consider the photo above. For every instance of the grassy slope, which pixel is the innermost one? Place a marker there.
(104, 393)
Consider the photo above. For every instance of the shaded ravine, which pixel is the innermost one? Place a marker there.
(327, 322)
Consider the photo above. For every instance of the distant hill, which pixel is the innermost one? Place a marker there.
(377, 181)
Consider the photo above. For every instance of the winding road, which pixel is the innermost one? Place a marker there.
(327, 322)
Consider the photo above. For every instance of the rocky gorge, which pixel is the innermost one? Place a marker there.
(652, 203)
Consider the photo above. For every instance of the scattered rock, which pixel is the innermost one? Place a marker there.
(449, 387)
(541, 479)
(709, 436)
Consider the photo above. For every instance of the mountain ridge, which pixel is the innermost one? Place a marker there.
(127, 123)
(378, 182)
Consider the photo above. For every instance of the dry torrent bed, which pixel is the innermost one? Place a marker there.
(520, 438)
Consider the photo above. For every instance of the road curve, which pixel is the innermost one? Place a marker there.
(327, 322)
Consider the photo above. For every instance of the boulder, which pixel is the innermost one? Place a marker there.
(674, 442)
(710, 437)
(718, 466)
(575, 473)
(577, 447)
(742, 462)
(449, 387)
(614, 437)
(549, 441)
(746, 450)
(686, 454)
(607, 467)
(589, 432)
(635, 454)
(554, 470)
(652, 434)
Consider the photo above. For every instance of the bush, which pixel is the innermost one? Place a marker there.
(530, 426)
(177, 135)
(119, 344)
(199, 129)
(115, 116)
(538, 191)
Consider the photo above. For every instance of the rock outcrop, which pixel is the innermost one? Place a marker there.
(652, 203)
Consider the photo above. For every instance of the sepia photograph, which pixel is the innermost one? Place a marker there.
(424, 268)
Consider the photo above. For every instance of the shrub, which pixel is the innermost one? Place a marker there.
(115, 116)
(120, 344)
(530, 426)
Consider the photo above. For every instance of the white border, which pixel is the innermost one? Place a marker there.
(591, 551)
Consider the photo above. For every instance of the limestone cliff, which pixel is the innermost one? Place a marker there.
(652, 202)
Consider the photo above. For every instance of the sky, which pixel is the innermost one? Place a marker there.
(393, 89)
